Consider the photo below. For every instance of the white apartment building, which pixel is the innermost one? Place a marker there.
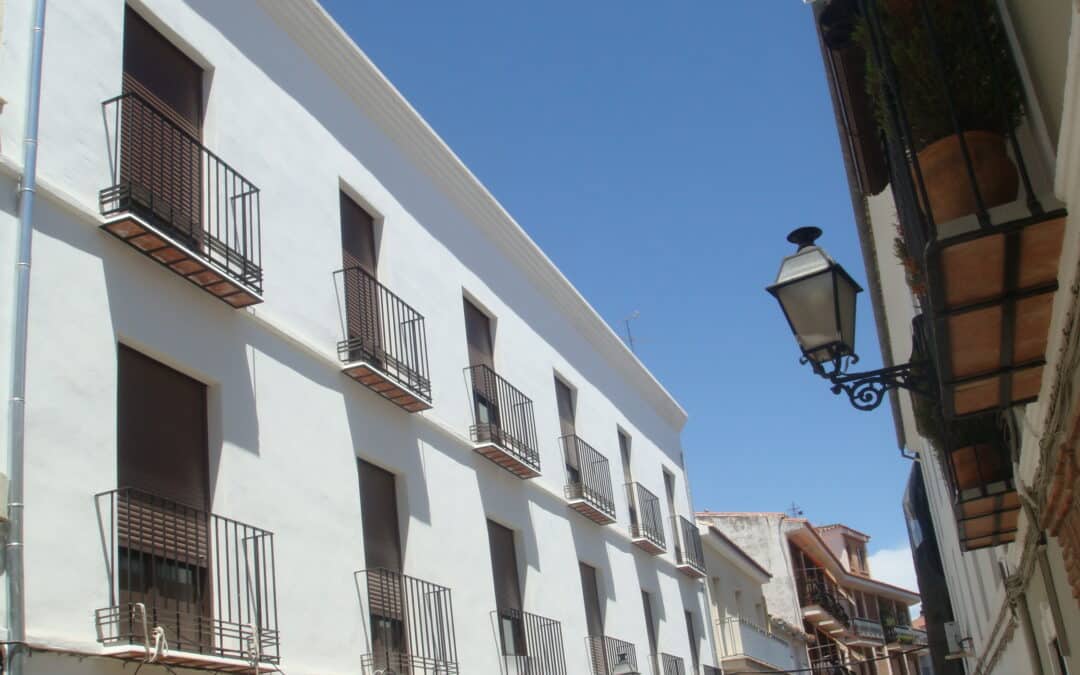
(748, 637)
(301, 396)
(819, 597)
(991, 272)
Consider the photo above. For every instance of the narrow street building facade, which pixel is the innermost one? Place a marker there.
(302, 396)
(959, 132)
(822, 595)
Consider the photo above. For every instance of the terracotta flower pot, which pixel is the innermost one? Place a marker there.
(948, 185)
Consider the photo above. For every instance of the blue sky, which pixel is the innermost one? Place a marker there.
(660, 153)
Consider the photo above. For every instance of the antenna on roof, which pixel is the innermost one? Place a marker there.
(630, 336)
(795, 511)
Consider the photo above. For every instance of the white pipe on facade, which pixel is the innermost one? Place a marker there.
(16, 610)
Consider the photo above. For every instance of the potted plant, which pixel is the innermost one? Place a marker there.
(974, 68)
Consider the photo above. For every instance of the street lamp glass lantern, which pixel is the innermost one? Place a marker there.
(817, 297)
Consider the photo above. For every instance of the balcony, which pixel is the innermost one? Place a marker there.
(207, 581)
(605, 653)
(711, 670)
(671, 665)
(588, 481)
(385, 348)
(865, 633)
(821, 602)
(981, 234)
(904, 636)
(504, 427)
(529, 644)
(744, 646)
(179, 204)
(826, 659)
(646, 523)
(411, 627)
(689, 554)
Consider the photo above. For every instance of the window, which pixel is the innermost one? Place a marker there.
(590, 590)
(504, 569)
(378, 500)
(624, 455)
(359, 262)
(691, 634)
(479, 337)
(650, 629)
(564, 398)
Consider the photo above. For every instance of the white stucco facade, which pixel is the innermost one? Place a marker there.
(298, 110)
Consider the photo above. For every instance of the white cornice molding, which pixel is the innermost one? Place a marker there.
(335, 52)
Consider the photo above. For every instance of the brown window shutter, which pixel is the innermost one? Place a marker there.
(161, 159)
(504, 567)
(590, 590)
(565, 398)
(161, 431)
(478, 335)
(361, 290)
(378, 499)
(650, 622)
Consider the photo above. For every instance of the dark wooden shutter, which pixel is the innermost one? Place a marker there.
(669, 487)
(650, 628)
(691, 635)
(624, 455)
(590, 591)
(161, 510)
(361, 291)
(478, 335)
(161, 159)
(161, 415)
(565, 398)
(504, 567)
(378, 499)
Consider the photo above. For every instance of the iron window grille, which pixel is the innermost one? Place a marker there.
(209, 581)
(411, 624)
(607, 652)
(588, 475)
(382, 330)
(529, 644)
(646, 520)
(502, 415)
(163, 174)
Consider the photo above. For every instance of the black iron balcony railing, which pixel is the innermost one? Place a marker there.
(588, 479)
(605, 653)
(689, 552)
(385, 333)
(868, 629)
(503, 417)
(646, 520)
(411, 624)
(672, 665)
(815, 588)
(208, 581)
(529, 644)
(904, 635)
(164, 175)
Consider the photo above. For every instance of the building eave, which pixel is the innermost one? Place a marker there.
(345, 63)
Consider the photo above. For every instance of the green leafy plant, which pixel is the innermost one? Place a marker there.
(976, 69)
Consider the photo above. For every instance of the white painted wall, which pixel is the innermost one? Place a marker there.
(285, 425)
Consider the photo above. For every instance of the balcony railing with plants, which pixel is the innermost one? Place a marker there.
(208, 581)
(606, 653)
(503, 417)
(904, 635)
(588, 479)
(163, 174)
(980, 232)
(383, 331)
(689, 552)
(529, 644)
(868, 629)
(411, 624)
(646, 519)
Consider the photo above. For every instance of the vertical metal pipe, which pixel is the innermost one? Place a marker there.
(16, 614)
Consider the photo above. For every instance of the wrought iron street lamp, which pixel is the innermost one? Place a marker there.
(817, 296)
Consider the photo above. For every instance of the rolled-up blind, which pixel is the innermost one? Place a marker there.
(504, 567)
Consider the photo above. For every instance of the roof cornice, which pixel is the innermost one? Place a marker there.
(330, 47)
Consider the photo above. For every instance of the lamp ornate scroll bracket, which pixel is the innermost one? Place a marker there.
(866, 390)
